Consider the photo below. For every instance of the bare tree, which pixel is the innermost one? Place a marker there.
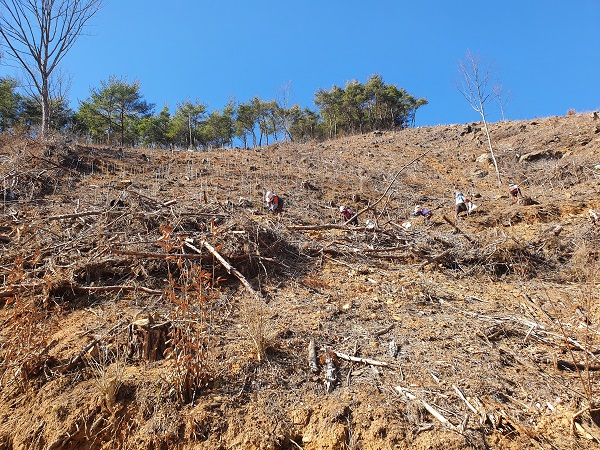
(477, 87)
(503, 98)
(283, 108)
(39, 33)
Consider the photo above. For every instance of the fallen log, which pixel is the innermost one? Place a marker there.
(228, 267)
(458, 230)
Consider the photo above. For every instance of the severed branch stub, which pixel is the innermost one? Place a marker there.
(330, 370)
(312, 357)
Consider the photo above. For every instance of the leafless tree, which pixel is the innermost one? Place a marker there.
(503, 98)
(39, 33)
(477, 86)
(283, 101)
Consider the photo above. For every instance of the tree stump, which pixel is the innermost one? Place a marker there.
(146, 339)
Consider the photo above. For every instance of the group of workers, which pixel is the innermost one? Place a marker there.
(465, 204)
(274, 204)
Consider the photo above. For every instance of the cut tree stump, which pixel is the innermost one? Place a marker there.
(146, 340)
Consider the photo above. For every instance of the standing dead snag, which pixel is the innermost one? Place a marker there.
(312, 357)
(330, 370)
(38, 34)
(474, 87)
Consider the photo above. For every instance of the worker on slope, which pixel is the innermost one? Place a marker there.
(515, 192)
(426, 213)
(347, 214)
(463, 204)
(273, 202)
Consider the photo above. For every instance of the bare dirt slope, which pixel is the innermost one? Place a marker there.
(149, 300)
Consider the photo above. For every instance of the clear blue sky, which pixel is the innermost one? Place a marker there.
(546, 52)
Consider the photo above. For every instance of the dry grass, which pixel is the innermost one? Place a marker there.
(258, 326)
(108, 367)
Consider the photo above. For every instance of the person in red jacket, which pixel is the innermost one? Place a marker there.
(347, 214)
(273, 202)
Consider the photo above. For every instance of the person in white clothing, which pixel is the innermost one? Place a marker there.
(461, 203)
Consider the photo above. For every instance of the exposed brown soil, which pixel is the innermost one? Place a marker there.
(122, 329)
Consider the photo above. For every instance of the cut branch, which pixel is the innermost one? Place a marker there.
(169, 256)
(464, 399)
(371, 362)
(32, 287)
(116, 288)
(329, 226)
(434, 259)
(71, 364)
(434, 412)
(388, 187)
(74, 215)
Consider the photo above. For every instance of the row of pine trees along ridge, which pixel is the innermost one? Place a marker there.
(117, 114)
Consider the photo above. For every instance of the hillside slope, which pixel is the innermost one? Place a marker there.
(150, 301)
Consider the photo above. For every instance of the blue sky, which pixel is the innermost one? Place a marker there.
(546, 53)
